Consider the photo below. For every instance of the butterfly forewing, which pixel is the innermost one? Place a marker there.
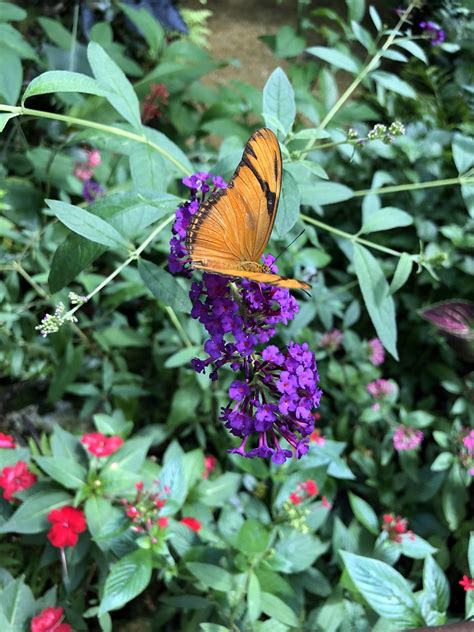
(234, 226)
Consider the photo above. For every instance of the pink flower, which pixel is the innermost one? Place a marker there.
(331, 340)
(468, 441)
(100, 445)
(377, 352)
(7, 441)
(49, 620)
(325, 503)
(83, 173)
(191, 523)
(317, 438)
(295, 499)
(210, 463)
(16, 478)
(406, 438)
(162, 522)
(93, 158)
(380, 388)
(396, 526)
(67, 523)
(467, 582)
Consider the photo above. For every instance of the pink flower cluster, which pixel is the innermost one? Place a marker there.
(380, 388)
(466, 452)
(377, 352)
(406, 438)
(331, 340)
(85, 172)
(396, 527)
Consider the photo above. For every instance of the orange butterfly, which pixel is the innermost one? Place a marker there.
(231, 229)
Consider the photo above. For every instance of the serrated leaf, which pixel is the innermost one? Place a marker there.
(65, 471)
(436, 585)
(279, 99)
(212, 576)
(275, 607)
(164, 286)
(30, 517)
(87, 224)
(118, 90)
(127, 579)
(377, 297)
(385, 219)
(364, 514)
(386, 591)
(335, 58)
(62, 81)
(289, 205)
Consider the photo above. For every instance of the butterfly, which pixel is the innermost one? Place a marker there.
(230, 231)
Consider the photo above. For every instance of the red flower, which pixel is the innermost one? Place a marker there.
(7, 441)
(325, 503)
(396, 526)
(295, 499)
(162, 522)
(317, 438)
(310, 487)
(192, 523)
(49, 620)
(210, 463)
(157, 97)
(100, 445)
(16, 478)
(67, 523)
(467, 582)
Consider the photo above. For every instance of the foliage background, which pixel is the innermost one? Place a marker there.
(257, 562)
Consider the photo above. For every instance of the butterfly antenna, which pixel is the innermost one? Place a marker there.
(290, 244)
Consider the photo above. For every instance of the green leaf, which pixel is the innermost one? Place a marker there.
(393, 83)
(297, 552)
(435, 585)
(118, 90)
(148, 169)
(386, 591)
(470, 553)
(375, 18)
(217, 493)
(17, 603)
(164, 286)
(57, 33)
(356, 9)
(4, 118)
(364, 514)
(127, 579)
(66, 445)
(463, 152)
(322, 193)
(62, 81)
(279, 100)
(87, 224)
(30, 517)
(253, 538)
(416, 547)
(335, 57)
(151, 29)
(131, 455)
(178, 162)
(413, 48)
(402, 272)
(182, 357)
(11, 75)
(275, 607)
(377, 297)
(63, 470)
(289, 205)
(212, 576)
(288, 43)
(385, 219)
(172, 477)
(11, 13)
(443, 461)
(254, 608)
(107, 524)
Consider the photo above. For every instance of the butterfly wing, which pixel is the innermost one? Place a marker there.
(234, 225)
(261, 277)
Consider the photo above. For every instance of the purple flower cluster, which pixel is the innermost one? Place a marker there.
(277, 392)
(199, 186)
(433, 31)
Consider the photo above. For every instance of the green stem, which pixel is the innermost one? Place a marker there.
(414, 186)
(179, 327)
(350, 236)
(133, 257)
(70, 120)
(363, 73)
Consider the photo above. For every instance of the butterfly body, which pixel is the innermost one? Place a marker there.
(230, 231)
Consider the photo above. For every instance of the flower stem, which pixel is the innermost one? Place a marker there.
(179, 327)
(415, 186)
(363, 73)
(109, 129)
